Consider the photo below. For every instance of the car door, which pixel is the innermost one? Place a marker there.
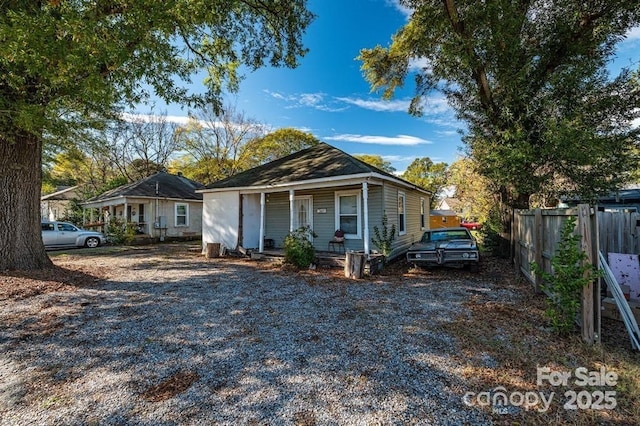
(67, 234)
(49, 234)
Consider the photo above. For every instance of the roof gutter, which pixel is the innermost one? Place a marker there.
(316, 183)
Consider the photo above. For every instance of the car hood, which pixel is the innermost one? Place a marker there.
(450, 245)
(85, 233)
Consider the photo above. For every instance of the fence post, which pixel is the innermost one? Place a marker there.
(516, 236)
(538, 244)
(586, 244)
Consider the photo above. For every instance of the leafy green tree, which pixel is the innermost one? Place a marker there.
(529, 79)
(473, 191)
(274, 145)
(66, 65)
(376, 161)
(428, 175)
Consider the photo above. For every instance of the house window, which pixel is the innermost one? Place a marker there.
(423, 211)
(348, 213)
(402, 216)
(140, 213)
(182, 214)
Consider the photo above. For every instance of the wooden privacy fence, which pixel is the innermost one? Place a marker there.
(619, 232)
(535, 237)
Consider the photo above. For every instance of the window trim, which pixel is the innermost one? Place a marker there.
(423, 214)
(402, 227)
(349, 193)
(186, 215)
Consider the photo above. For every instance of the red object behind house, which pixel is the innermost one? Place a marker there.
(471, 225)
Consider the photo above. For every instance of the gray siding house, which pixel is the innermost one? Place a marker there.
(321, 187)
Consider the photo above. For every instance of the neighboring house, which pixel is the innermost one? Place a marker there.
(627, 198)
(58, 205)
(161, 205)
(320, 187)
(449, 203)
(443, 219)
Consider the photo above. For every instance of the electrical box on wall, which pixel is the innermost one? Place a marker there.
(160, 223)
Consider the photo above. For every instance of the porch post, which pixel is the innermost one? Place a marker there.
(365, 198)
(262, 211)
(126, 211)
(291, 209)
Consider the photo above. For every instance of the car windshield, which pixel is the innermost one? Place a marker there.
(448, 235)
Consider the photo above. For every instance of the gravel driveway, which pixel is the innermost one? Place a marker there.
(172, 338)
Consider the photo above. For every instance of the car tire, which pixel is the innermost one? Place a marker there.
(92, 242)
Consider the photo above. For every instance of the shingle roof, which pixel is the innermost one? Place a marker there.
(169, 186)
(66, 193)
(317, 162)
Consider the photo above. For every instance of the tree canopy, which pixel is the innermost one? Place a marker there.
(428, 175)
(376, 161)
(66, 64)
(529, 79)
(276, 144)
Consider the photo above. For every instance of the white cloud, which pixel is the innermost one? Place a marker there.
(307, 100)
(378, 104)
(418, 64)
(399, 140)
(633, 34)
(398, 158)
(447, 132)
(400, 8)
(149, 118)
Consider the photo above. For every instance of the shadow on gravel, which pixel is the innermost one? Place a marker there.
(228, 343)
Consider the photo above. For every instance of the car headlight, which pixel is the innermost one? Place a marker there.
(465, 255)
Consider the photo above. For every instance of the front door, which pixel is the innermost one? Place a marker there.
(303, 212)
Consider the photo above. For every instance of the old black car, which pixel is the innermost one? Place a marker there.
(446, 247)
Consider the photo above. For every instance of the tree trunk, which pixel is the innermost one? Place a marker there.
(21, 244)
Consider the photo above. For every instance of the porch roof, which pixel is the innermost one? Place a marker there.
(319, 166)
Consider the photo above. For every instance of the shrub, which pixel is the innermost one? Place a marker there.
(298, 249)
(384, 240)
(118, 232)
(571, 273)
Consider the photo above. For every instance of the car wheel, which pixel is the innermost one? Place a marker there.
(92, 242)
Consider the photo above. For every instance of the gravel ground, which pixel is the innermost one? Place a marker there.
(162, 338)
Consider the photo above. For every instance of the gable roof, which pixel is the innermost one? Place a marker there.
(168, 186)
(318, 162)
(442, 213)
(66, 193)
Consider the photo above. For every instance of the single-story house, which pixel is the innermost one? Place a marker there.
(443, 219)
(58, 204)
(160, 205)
(625, 199)
(320, 187)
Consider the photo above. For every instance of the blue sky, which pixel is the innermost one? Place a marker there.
(328, 96)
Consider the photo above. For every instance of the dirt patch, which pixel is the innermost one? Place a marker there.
(170, 387)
